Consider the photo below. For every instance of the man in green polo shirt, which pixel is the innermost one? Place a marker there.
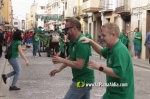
(119, 69)
(39, 30)
(78, 59)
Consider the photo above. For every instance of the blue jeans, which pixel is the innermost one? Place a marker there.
(35, 49)
(17, 70)
(136, 52)
(78, 93)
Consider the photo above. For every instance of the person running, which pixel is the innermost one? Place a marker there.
(16, 50)
(119, 69)
(78, 59)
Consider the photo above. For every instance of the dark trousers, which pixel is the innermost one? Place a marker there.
(62, 55)
(149, 54)
(1, 50)
(67, 49)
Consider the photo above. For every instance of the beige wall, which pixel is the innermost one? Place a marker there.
(7, 11)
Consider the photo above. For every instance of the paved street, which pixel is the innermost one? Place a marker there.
(36, 83)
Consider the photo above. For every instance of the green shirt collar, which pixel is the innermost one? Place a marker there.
(77, 39)
(118, 43)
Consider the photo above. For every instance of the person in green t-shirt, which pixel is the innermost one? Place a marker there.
(58, 31)
(119, 69)
(88, 35)
(124, 38)
(39, 30)
(77, 60)
(16, 50)
(62, 46)
(36, 46)
(137, 41)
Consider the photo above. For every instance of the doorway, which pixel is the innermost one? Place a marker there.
(147, 30)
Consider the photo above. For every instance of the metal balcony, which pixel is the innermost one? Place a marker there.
(123, 7)
(106, 8)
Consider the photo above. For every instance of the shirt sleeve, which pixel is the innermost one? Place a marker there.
(120, 62)
(82, 50)
(104, 52)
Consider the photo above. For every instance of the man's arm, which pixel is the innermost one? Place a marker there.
(96, 47)
(109, 71)
(78, 64)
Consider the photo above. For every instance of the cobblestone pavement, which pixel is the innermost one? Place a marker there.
(36, 83)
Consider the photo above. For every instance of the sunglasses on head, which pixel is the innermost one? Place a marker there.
(66, 29)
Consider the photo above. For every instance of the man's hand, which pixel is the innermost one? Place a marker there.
(85, 40)
(57, 59)
(53, 72)
(27, 63)
(94, 65)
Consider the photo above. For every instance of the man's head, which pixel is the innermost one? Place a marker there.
(73, 28)
(110, 34)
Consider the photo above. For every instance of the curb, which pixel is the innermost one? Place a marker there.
(142, 66)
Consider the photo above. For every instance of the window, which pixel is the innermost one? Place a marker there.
(85, 0)
(116, 19)
(66, 5)
(108, 20)
(42, 7)
(15, 23)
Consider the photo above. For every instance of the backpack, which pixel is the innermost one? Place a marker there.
(8, 52)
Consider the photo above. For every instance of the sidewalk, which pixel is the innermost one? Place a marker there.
(136, 62)
(3, 69)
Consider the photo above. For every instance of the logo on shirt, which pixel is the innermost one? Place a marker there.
(109, 61)
(73, 49)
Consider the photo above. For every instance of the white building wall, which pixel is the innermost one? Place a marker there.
(69, 10)
(142, 17)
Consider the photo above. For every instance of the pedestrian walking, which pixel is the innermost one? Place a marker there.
(8, 38)
(1, 42)
(137, 41)
(62, 46)
(36, 47)
(88, 35)
(78, 59)
(147, 43)
(124, 38)
(119, 69)
(16, 50)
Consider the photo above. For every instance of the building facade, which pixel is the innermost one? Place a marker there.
(7, 14)
(140, 17)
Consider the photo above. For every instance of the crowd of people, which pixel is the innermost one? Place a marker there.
(113, 47)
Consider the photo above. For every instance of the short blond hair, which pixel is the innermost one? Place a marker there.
(112, 27)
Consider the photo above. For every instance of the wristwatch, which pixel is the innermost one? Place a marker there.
(101, 68)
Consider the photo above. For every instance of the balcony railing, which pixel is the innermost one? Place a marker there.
(105, 6)
(123, 7)
(90, 6)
